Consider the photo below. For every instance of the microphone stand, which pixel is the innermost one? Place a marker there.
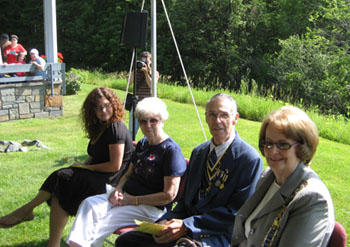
(134, 100)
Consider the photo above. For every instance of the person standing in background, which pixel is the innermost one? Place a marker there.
(143, 84)
(5, 42)
(13, 50)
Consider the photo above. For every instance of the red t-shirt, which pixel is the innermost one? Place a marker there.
(21, 73)
(13, 53)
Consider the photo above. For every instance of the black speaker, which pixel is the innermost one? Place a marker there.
(134, 32)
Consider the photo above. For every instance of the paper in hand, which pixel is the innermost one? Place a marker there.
(151, 228)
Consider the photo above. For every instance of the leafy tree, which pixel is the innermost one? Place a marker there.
(265, 23)
(25, 19)
(204, 30)
(90, 33)
(312, 71)
(299, 48)
(314, 68)
(332, 21)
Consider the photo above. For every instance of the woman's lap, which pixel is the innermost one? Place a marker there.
(72, 185)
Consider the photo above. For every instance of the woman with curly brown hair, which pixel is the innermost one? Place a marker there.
(109, 149)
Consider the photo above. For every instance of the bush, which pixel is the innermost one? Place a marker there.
(313, 70)
(73, 81)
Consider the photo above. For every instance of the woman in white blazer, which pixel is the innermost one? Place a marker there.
(291, 205)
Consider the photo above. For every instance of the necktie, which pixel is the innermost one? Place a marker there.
(211, 164)
(210, 174)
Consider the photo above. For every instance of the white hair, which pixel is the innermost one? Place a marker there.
(151, 105)
(34, 51)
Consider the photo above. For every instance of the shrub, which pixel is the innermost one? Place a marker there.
(313, 70)
(73, 81)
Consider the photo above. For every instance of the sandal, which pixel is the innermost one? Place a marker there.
(18, 221)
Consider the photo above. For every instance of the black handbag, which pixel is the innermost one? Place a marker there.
(131, 101)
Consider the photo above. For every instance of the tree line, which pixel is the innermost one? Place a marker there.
(295, 50)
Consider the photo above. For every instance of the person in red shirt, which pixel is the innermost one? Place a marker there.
(13, 50)
(21, 60)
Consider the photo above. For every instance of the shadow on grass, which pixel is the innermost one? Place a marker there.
(67, 161)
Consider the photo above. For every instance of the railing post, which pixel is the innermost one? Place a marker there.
(51, 78)
(63, 72)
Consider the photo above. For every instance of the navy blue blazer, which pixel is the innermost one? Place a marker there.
(211, 219)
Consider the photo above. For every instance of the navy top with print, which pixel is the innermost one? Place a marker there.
(151, 163)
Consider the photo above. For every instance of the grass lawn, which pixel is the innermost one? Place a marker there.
(23, 173)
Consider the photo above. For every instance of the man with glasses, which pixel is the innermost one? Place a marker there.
(222, 175)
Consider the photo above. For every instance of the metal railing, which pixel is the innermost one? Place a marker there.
(55, 73)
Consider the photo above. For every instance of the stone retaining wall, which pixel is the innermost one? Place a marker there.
(30, 100)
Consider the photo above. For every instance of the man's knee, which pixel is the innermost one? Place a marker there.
(135, 239)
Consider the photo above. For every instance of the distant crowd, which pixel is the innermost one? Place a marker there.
(14, 53)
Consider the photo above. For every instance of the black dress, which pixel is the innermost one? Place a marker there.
(72, 185)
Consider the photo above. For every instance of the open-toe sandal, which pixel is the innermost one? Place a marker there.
(29, 217)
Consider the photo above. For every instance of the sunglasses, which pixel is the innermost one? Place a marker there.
(151, 121)
(279, 145)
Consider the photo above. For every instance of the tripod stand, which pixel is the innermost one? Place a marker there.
(154, 57)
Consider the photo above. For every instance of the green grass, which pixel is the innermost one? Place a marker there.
(23, 173)
(250, 106)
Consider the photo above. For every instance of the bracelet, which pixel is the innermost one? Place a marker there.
(137, 200)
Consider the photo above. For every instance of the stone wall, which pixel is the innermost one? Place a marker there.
(30, 100)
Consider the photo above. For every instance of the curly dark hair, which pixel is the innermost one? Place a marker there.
(92, 126)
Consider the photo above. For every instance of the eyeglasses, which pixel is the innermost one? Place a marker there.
(103, 106)
(279, 145)
(222, 115)
(151, 121)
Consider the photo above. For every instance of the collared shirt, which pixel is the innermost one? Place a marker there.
(220, 149)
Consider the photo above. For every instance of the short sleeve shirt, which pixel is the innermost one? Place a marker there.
(116, 133)
(12, 56)
(151, 163)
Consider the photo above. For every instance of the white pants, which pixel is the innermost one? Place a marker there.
(97, 219)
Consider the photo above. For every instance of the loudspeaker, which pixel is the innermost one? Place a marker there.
(134, 32)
